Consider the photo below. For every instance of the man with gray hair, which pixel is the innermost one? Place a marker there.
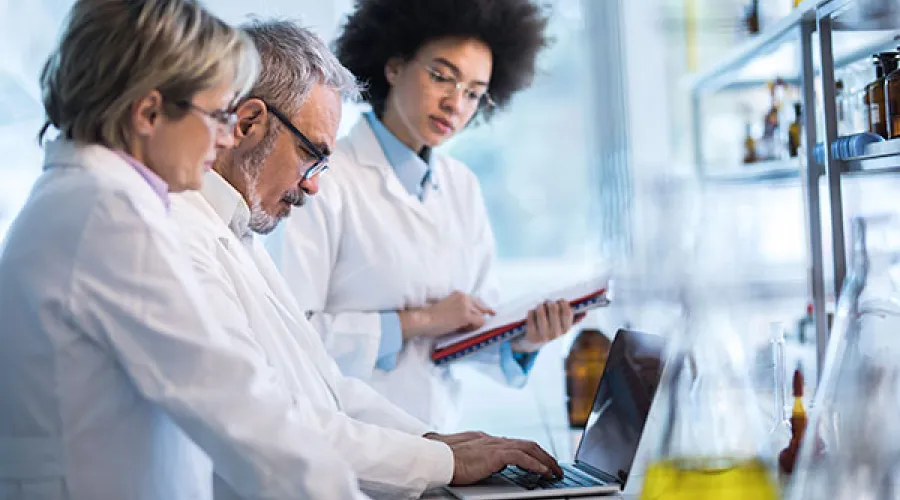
(285, 131)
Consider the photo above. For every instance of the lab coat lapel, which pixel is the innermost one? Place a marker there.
(251, 256)
(368, 153)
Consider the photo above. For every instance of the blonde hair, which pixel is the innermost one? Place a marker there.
(114, 52)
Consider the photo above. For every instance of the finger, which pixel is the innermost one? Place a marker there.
(512, 456)
(531, 331)
(543, 323)
(565, 314)
(578, 317)
(534, 450)
(554, 320)
(475, 319)
(484, 308)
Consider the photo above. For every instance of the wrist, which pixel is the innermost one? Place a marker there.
(414, 322)
(523, 345)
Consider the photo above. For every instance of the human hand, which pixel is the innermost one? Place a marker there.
(457, 312)
(476, 459)
(545, 323)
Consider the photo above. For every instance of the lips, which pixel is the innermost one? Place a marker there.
(443, 125)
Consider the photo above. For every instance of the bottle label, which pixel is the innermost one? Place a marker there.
(875, 113)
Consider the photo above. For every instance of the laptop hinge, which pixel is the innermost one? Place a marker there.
(591, 471)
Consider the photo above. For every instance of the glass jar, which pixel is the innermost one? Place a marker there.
(584, 366)
(892, 103)
(885, 63)
(851, 449)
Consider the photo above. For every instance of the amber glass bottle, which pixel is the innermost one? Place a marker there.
(892, 103)
(584, 366)
(885, 63)
(788, 456)
(795, 130)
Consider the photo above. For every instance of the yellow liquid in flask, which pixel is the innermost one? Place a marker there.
(702, 479)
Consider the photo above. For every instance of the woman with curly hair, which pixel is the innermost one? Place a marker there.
(398, 249)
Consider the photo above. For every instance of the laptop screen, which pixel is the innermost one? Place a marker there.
(622, 403)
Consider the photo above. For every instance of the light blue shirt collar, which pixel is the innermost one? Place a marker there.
(412, 170)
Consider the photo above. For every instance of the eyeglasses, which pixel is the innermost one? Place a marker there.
(449, 84)
(320, 164)
(225, 120)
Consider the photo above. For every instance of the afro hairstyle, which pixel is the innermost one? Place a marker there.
(379, 30)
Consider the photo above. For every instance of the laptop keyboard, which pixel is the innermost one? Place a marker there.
(572, 478)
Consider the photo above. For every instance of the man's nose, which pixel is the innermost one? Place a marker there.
(310, 186)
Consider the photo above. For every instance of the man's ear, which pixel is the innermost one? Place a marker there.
(145, 112)
(253, 117)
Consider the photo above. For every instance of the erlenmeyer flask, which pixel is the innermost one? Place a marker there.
(712, 441)
(852, 446)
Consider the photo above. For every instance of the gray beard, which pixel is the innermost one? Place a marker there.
(250, 165)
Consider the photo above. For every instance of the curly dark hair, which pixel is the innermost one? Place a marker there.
(381, 29)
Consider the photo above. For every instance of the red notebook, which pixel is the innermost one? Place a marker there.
(510, 320)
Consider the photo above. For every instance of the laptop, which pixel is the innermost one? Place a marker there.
(610, 439)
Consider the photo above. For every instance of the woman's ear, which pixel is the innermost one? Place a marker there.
(145, 112)
(392, 69)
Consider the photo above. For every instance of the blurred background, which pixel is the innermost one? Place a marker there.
(633, 147)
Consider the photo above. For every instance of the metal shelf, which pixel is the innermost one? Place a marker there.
(850, 15)
(774, 53)
(847, 31)
(755, 173)
(770, 42)
(880, 158)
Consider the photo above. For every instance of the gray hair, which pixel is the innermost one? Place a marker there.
(112, 53)
(293, 60)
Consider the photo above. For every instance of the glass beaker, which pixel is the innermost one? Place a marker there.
(712, 441)
(852, 446)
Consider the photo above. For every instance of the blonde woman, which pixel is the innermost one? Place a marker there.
(115, 380)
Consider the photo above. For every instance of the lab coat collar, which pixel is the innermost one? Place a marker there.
(412, 169)
(61, 152)
(228, 204)
(365, 147)
(366, 151)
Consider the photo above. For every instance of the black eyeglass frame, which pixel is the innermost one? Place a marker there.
(321, 163)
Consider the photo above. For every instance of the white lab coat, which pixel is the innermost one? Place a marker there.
(251, 299)
(112, 367)
(365, 245)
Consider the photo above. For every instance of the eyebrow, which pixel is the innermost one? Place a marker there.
(455, 69)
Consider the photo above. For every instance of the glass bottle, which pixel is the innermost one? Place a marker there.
(892, 103)
(788, 456)
(710, 443)
(749, 145)
(885, 62)
(852, 445)
(751, 17)
(794, 131)
(768, 143)
(584, 365)
(840, 105)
